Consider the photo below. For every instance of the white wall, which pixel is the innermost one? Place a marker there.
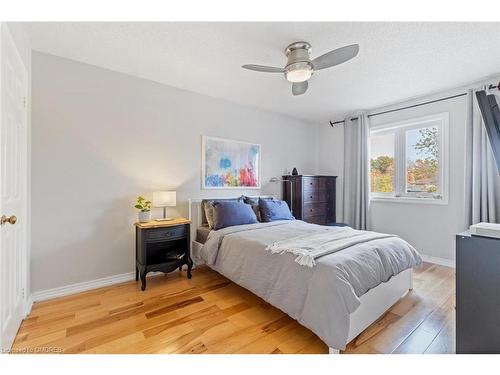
(430, 228)
(100, 138)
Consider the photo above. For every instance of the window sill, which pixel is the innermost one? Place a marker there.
(411, 200)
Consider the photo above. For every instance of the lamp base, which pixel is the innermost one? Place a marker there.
(165, 219)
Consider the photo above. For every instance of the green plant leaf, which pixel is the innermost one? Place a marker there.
(138, 206)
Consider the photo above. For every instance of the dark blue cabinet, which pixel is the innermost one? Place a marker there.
(478, 294)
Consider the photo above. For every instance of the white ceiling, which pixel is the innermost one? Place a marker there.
(396, 60)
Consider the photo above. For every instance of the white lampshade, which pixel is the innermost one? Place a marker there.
(164, 198)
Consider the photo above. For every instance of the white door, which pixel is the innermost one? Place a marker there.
(13, 189)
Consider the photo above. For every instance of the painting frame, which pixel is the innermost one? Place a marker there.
(205, 140)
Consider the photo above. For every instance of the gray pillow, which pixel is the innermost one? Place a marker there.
(208, 208)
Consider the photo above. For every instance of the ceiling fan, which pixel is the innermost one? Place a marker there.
(299, 67)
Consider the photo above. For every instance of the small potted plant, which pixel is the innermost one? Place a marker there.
(145, 209)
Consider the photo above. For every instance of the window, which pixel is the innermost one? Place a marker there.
(408, 160)
(382, 164)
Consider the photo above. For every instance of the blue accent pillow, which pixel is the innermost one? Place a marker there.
(254, 202)
(228, 214)
(208, 209)
(271, 210)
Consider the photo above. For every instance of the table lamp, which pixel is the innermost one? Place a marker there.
(164, 199)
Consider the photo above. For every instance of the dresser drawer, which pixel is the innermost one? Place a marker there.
(319, 219)
(161, 234)
(314, 209)
(315, 196)
(313, 183)
(329, 183)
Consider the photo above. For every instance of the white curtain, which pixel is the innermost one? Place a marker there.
(356, 179)
(482, 178)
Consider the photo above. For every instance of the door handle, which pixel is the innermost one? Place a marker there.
(11, 219)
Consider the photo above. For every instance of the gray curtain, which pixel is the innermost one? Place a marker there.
(481, 175)
(356, 180)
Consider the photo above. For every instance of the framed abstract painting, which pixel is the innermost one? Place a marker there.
(228, 164)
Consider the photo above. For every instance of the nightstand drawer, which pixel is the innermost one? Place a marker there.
(161, 234)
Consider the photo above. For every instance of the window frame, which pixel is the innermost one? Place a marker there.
(399, 129)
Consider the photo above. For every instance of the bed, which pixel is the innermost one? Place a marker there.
(337, 299)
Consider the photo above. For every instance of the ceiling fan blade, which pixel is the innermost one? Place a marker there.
(263, 68)
(335, 57)
(298, 88)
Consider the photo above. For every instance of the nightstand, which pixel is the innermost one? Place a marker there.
(162, 246)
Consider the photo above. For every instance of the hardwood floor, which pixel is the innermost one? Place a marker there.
(210, 314)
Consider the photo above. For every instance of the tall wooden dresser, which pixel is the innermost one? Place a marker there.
(311, 198)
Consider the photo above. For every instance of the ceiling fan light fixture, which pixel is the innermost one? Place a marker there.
(298, 72)
(299, 67)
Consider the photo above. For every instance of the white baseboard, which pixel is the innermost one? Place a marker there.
(28, 304)
(437, 260)
(81, 287)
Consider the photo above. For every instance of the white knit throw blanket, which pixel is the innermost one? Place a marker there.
(314, 245)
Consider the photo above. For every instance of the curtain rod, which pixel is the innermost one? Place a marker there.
(400, 109)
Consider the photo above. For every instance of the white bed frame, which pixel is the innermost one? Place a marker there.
(373, 304)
